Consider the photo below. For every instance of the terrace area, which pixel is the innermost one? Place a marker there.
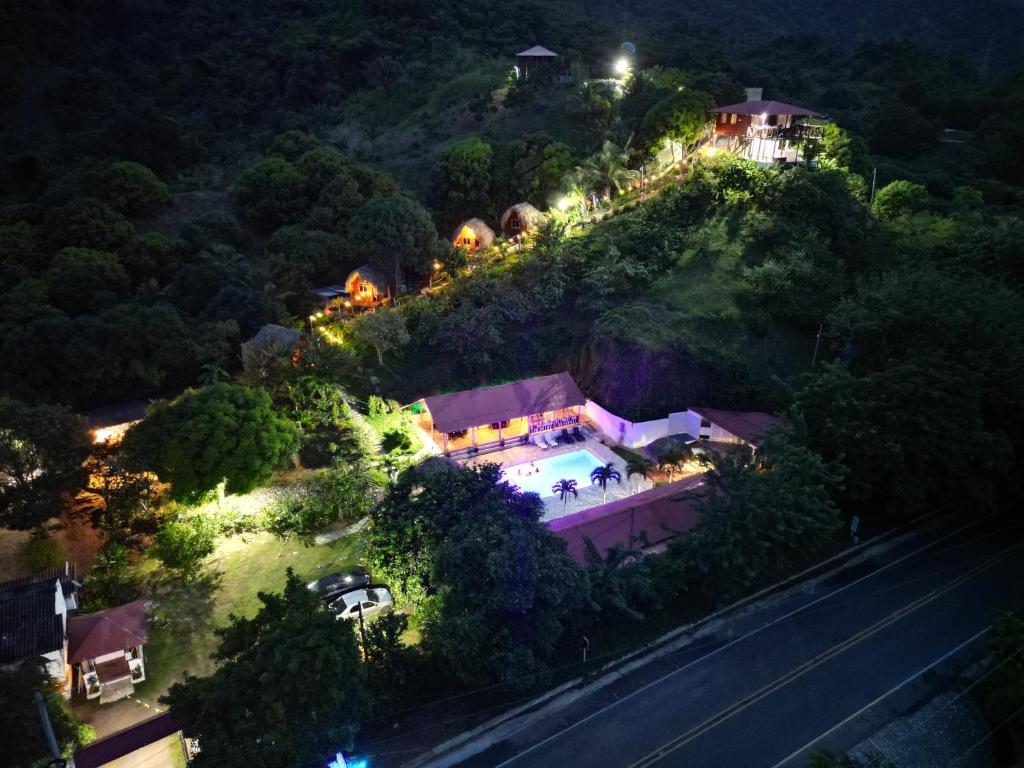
(464, 424)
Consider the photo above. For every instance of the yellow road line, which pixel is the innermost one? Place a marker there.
(813, 663)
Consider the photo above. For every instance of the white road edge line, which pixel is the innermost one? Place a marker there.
(731, 643)
(972, 639)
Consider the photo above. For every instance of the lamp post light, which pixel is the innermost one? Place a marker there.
(436, 266)
(621, 66)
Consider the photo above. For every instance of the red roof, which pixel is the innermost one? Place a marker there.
(477, 407)
(125, 742)
(749, 426)
(115, 629)
(767, 108)
(659, 514)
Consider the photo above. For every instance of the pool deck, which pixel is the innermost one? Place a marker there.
(589, 496)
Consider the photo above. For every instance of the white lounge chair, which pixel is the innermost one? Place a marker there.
(539, 441)
(549, 439)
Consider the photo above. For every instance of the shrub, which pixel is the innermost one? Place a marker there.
(182, 543)
(42, 552)
(110, 582)
(376, 407)
(344, 493)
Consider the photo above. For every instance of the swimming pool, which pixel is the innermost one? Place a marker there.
(544, 473)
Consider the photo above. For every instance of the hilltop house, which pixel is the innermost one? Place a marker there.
(34, 619)
(765, 131)
(366, 287)
(535, 61)
(472, 234)
(519, 219)
(106, 650)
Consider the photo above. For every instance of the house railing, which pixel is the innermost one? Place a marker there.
(565, 421)
(788, 133)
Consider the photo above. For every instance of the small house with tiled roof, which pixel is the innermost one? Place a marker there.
(765, 131)
(33, 621)
(106, 650)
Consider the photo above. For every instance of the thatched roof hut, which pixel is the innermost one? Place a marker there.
(366, 285)
(519, 219)
(473, 234)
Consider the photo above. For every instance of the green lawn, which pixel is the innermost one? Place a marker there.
(186, 613)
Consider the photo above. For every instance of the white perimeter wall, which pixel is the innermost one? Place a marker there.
(637, 434)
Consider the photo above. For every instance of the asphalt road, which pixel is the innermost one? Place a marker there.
(811, 669)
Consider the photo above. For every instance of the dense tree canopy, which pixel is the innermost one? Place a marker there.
(761, 519)
(289, 687)
(497, 588)
(221, 433)
(42, 448)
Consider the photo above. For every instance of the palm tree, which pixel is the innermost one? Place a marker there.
(639, 466)
(601, 476)
(673, 459)
(211, 373)
(563, 488)
(608, 168)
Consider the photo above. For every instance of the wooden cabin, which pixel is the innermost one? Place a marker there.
(473, 234)
(765, 131)
(366, 286)
(520, 219)
(535, 61)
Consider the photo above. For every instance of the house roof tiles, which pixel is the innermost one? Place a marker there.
(760, 107)
(29, 624)
(475, 407)
(651, 516)
(115, 629)
(749, 426)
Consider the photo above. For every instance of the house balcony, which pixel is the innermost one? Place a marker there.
(112, 679)
(787, 133)
(487, 437)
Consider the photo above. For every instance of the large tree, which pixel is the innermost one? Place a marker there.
(761, 518)
(219, 433)
(395, 234)
(383, 330)
(289, 688)
(497, 589)
(681, 118)
(42, 448)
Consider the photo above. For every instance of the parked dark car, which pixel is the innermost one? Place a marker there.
(334, 584)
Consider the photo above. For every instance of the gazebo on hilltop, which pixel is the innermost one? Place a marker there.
(535, 60)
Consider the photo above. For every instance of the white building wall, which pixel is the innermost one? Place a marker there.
(54, 663)
(624, 432)
(638, 434)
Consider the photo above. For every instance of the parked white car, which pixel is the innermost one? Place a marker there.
(372, 600)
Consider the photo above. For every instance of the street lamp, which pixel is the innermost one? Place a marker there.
(621, 66)
(437, 265)
(563, 204)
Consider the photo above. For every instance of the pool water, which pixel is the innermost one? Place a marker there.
(544, 473)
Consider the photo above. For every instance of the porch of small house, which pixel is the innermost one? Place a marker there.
(496, 436)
